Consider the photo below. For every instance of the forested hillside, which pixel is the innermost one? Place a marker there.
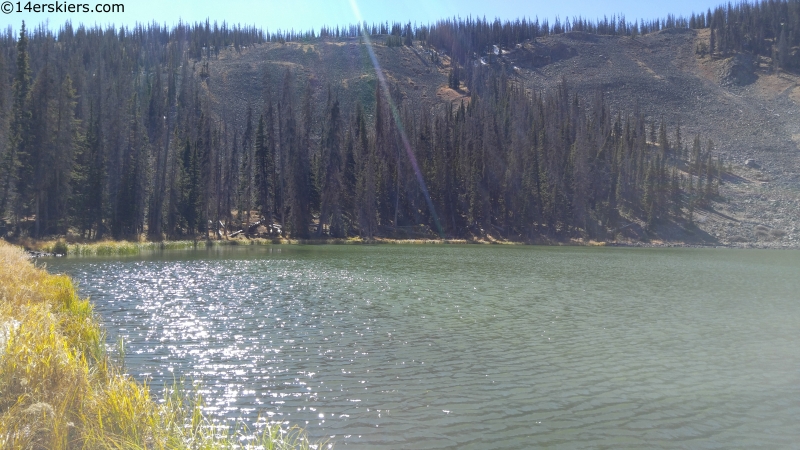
(381, 130)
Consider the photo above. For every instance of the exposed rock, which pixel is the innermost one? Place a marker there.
(37, 254)
(738, 70)
(751, 163)
(539, 54)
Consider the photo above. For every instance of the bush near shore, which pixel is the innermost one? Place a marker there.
(60, 390)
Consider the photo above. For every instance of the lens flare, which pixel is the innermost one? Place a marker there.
(384, 86)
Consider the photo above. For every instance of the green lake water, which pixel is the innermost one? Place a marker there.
(444, 346)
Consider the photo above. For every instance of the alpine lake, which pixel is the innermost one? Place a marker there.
(468, 346)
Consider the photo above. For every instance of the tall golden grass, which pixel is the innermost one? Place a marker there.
(60, 390)
(123, 248)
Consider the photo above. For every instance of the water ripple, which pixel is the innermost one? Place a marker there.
(470, 347)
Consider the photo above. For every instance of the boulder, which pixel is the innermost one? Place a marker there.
(738, 70)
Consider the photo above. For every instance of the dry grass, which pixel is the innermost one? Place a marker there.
(58, 388)
(107, 248)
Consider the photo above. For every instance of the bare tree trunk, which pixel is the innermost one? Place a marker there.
(38, 215)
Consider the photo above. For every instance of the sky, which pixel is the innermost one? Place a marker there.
(302, 15)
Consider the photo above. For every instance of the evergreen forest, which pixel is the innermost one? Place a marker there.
(108, 133)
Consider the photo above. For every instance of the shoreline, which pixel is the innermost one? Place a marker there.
(60, 387)
(59, 248)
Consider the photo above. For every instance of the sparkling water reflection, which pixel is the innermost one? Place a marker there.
(470, 346)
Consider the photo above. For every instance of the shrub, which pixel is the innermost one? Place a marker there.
(60, 248)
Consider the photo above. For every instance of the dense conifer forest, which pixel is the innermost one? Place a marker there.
(108, 133)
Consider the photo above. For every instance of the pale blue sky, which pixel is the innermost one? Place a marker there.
(306, 14)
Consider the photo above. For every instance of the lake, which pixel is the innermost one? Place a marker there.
(471, 346)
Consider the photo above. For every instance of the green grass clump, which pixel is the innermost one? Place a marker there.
(177, 245)
(59, 389)
(60, 248)
(121, 248)
(127, 248)
(104, 248)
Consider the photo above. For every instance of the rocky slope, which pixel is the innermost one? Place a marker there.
(748, 110)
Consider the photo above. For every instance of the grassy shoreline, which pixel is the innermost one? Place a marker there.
(60, 389)
(123, 247)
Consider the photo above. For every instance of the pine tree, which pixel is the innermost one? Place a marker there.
(694, 162)
(783, 50)
(36, 162)
(189, 186)
(158, 127)
(712, 44)
(246, 172)
(133, 196)
(298, 167)
(407, 41)
(330, 206)
(711, 174)
(453, 80)
(94, 198)
(66, 139)
(19, 136)
(675, 193)
(264, 160)
(365, 178)
(349, 183)
(663, 142)
(649, 200)
(653, 132)
(711, 188)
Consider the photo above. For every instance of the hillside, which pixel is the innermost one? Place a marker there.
(674, 131)
(738, 101)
